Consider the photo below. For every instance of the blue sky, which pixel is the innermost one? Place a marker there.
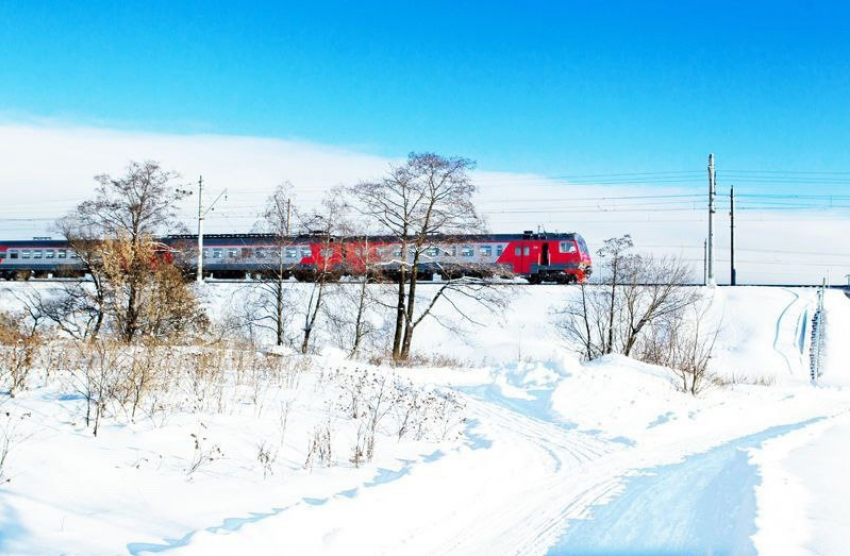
(557, 88)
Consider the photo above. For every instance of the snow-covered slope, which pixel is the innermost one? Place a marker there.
(763, 330)
(554, 455)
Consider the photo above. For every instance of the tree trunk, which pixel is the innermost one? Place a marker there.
(358, 321)
(588, 344)
(130, 326)
(411, 303)
(311, 317)
(399, 318)
(609, 344)
(633, 336)
(279, 312)
(100, 302)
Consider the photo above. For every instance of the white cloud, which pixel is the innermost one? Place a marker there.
(45, 168)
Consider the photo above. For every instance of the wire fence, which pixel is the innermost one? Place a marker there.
(817, 336)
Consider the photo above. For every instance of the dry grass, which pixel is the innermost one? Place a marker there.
(420, 361)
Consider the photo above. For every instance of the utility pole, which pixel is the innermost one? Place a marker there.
(200, 230)
(711, 210)
(201, 214)
(732, 275)
(704, 261)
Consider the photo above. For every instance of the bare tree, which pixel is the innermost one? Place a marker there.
(637, 291)
(683, 341)
(327, 226)
(113, 234)
(614, 255)
(74, 309)
(85, 241)
(428, 195)
(652, 289)
(271, 306)
(364, 298)
(593, 319)
(351, 309)
(584, 320)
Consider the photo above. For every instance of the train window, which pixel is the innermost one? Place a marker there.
(526, 251)
(231, 253)
(583, 245)
(13, 254)
(467, 251)
(2, 254)
(434, 251)
(499, 250)
(74, 255)
(49, 254)
(305, 252)
(567, 247)
(517, 251)
(25, 254)
(486, 250)
(216, 253)
(37, 253)
(260, 253)
(61, 254)
(292, 253)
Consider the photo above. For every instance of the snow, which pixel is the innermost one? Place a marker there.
(835, 370)
(555, 456)
(803, 499)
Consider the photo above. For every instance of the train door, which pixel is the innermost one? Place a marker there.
(544, 254)
(526, 257)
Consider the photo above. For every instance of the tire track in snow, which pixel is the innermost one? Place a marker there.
(533, 522)
(787, 341)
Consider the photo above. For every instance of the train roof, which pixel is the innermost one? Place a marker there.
(249, 239)
(253, 239)
(33, 243)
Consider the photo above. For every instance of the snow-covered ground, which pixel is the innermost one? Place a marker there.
(553, 456)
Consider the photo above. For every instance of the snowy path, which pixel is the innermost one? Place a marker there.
(513, 484)
(705, 504)
(525, 485)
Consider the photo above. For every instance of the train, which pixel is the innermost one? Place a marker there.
(535, 256)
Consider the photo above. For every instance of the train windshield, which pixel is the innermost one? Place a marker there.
(567, 247)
